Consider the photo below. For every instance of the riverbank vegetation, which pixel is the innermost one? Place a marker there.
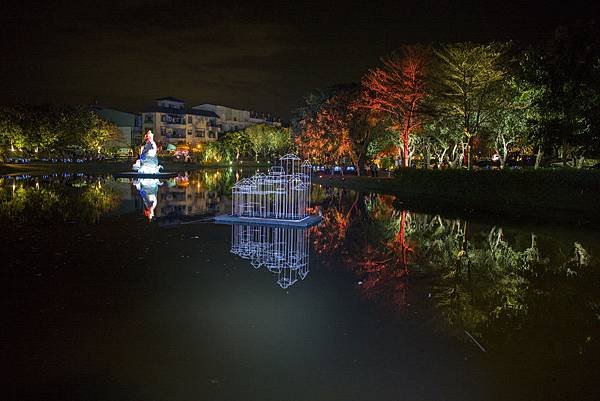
(51, 131)
(566, 195)
(464, 105)
(252, 144)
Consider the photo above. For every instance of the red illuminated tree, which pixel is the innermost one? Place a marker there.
(398, 89)
(338, 127)
(325, 131)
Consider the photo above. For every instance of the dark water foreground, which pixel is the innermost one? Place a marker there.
(376, 303)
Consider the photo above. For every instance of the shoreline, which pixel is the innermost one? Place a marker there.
(107, 167)
(571, 197)
(537, 196)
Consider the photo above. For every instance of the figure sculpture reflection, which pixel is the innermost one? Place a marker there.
(282, 250)
(148, 188)
(148, 161)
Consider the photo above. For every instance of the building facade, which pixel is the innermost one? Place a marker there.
(172, 123)
(230, 119)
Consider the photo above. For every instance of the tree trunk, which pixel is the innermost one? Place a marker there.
(405, 154)
(469, 154)
(360, 165)
(538, 157)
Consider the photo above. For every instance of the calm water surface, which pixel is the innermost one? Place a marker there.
(113, 290)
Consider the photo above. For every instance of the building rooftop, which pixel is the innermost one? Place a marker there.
(169, 110)
(171, 99)
(219, 105)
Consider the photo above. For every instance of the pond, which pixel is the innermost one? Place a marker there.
(113, 289)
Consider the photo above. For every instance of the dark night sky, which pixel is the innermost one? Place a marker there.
(259, 55)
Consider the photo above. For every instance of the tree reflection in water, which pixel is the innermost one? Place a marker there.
(70, 198)
(498, 284)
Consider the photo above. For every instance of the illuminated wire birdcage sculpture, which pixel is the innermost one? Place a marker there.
(281, 250)
(282, 194)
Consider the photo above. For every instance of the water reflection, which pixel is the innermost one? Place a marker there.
(148, 188)
(496, 286)
(281, 250)
(55, 198)
(183, 198)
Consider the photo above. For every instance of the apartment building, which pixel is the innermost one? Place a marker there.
(172, 123)
(231, 119)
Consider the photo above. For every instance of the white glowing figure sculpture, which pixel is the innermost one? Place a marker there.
(282, 250)
(283, 193)
(148, 162)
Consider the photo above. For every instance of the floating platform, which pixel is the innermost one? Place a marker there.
(308, 221)
(133, 174)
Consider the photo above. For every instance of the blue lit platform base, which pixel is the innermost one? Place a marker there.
(133, 174)
(308, 221)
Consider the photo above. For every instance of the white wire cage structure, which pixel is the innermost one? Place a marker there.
(284, 251)
(281, 194)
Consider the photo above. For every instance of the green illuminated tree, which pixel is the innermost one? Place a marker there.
(236, 143)
(97, 133)
(468, 91)
(258, 139)
(11, 133)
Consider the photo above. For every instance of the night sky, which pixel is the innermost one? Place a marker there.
(261, 56)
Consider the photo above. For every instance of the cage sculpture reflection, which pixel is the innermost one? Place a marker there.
(283, 193)
(282, 250)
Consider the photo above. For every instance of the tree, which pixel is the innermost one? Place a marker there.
(265, 139)
(236, 142)
(439, 136)
(468, 87)
(339, 127)
(11, 133)
(508, 122)
(278, 140)
(565, 78)
(398, 89)
(97, 132)
(325, 130)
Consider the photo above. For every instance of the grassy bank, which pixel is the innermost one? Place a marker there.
(572, 195)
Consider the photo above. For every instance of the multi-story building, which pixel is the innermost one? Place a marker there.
(172, 123)
(231, 119)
